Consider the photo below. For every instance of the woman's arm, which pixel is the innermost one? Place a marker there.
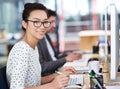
(58, 82)
(49, 78)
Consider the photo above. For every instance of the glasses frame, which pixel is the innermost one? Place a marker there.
(41, 23)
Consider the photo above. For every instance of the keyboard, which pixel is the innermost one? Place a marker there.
(80, 69)
(76, 79)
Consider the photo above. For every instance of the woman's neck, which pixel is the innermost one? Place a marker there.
(30, 41)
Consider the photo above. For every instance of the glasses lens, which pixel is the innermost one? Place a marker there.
(37, 23)
(46, 24)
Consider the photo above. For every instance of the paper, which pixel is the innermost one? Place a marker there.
(112, 87)
(80, 65)
(81, 62)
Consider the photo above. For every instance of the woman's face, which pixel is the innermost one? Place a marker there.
(34, 27)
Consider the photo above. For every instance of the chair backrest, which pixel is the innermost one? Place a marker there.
(3, 80)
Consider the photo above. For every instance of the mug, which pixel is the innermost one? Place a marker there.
(93, 64)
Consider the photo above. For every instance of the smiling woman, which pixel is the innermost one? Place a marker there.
(23, 66)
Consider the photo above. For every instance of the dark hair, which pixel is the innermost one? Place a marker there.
(29, 7)
(51, 13)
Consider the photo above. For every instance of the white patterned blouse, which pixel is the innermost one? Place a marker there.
(23, 67)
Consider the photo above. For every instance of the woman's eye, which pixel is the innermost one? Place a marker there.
(36, 21)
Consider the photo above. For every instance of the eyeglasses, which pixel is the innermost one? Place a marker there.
(46, 24)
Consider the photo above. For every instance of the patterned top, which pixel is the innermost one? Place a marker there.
(23, 67)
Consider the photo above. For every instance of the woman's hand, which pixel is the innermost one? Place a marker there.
(68, 69)
(73, 56)
(60, 81)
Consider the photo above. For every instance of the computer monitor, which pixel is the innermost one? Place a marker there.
(114, 42)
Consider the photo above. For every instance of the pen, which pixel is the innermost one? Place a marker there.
(57, 72)
(96, 82)
(95, 79)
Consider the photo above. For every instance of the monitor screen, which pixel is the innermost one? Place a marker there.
(114, 42)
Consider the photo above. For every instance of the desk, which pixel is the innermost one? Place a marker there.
(86, 76)
(110, 85)
(89, 38)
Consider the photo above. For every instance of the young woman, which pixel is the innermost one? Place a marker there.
(23, 66)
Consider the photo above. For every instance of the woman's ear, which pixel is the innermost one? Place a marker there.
(24, 24)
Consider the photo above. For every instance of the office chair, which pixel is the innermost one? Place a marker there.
(3, 80)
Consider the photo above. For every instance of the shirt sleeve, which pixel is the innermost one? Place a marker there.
(19, 58)
(49, 67)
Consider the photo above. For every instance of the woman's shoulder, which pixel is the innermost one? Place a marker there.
(20, 46)
(19, 51)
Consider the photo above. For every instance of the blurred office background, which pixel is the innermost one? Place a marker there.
(73, 16)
